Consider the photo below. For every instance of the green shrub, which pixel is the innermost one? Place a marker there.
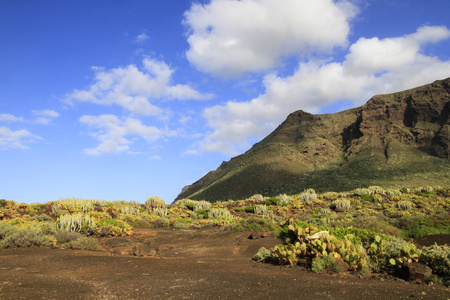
(272, 201)
(262, 255)
(258, 224)
(84, 243)
(368, 198)
(63, 236)
(25, 237)
(438, 257)
(41, 218)
(182, 223)
(320, 263)
(161, 222)
(113, 227)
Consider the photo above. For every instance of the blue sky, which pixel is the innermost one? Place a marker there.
(121, 100)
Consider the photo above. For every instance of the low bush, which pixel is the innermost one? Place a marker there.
(438, 257)
(26, 237)
(308, 195)
(272, 201)
(263, 255)
(258, 224)
(320, 263)
(83, 243)
(340, 205)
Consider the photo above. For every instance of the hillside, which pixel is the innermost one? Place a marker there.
(399, 139)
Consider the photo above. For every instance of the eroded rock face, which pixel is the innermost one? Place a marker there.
(392, 139)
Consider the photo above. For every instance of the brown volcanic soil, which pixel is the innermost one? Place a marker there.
(191, 264)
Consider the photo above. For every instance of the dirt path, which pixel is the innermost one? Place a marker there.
(205, 264)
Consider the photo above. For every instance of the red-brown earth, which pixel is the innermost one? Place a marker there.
(185, 264)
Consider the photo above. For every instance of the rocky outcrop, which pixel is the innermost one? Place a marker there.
(399, 139)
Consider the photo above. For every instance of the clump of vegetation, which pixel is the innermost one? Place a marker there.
(154, 201)
(364, 226)
(202, 205)
(261, 210)
(340, 205)
(308, 195)
(405, 205)
(438, 257)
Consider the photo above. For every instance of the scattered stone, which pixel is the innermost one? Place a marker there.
(137, 251)
(416, 272)
(340, 266)
(75, 246)
(253, 235)
(264, 234)
(317, 235)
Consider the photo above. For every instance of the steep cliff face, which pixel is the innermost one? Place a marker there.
(399, 139)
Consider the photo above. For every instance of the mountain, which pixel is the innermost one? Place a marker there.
(394, 140)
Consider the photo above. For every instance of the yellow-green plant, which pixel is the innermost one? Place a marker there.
(405, 205)
(78, 223)
(202, 205)
(219, 212)
(261, 209)
(154, 201)
(308, 195)
(340, 205)
(160, 210)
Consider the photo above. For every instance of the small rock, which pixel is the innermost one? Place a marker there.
(137, 251)
(253, 235)
(264, 234)
(416, 272)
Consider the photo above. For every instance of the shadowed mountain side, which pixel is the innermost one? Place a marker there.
(399, 139)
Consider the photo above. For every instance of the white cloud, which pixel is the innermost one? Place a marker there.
(228, 38)
(116, 135)
(10, 118)
(141, 38)
(10, 139)
(135, 89)
(372, 66)
(45, 116)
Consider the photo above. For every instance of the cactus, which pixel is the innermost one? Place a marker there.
(154, 201)
(340, 205)
(77, 222)
(220, 212)
(405, 205)
(308, 195)
(284, 199)
(159, 210)
(202, 205)
(257, 197)
(261, 210)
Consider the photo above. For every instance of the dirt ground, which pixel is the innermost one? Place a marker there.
(184, 264)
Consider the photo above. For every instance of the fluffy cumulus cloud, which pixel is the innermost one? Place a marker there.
(228, 37)
(372, 66)
(117, 134)
(16, 139)
(134, 89)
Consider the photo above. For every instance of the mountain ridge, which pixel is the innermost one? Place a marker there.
(398, 139)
